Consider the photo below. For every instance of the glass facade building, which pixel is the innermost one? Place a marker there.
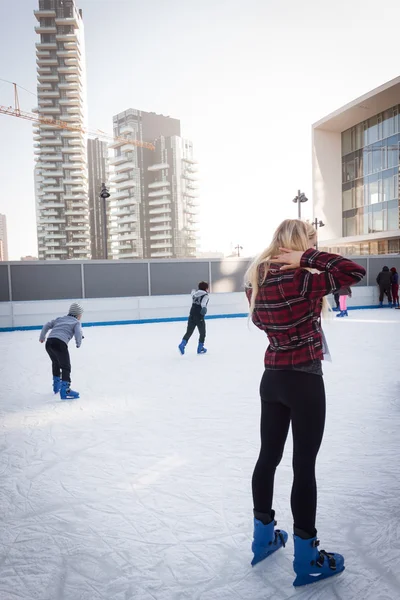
(370, 181)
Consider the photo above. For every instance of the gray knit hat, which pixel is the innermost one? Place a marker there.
(75, 309)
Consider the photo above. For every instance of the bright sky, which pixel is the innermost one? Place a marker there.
(247, 79)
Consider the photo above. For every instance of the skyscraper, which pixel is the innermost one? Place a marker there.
(155, 197)
(61, 167)
(98, 169)
(3, 238)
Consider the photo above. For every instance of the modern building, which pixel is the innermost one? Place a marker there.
(356, 162)
(155, 197)
(29, 258)
(99, 211)
(3, 238)
(61, 182)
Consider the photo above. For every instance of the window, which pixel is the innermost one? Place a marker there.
(372, 130)
(393, 215)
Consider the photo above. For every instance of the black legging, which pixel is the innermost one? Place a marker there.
(61, 364)
(296, 397)
(194, 322)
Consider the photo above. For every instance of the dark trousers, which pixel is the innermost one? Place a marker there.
(298, 398)
(395, 292)
(59, 355)
(336, 296)
(385, 291)
(194, 322)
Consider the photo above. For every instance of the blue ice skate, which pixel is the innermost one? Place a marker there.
(341, 314)
(201, 349)
(182, 347)
(56, 384)
(66, 393)
(312, 565)
(267, 540)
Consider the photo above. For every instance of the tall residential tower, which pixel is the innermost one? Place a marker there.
(155, 199)
(3, 238)
(61, 167)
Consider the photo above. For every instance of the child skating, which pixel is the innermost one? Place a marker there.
(196, 318)
(62, 330)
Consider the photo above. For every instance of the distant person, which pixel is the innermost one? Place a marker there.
(343, 294)
(395, 286)
(62, 330)
(196, 318)
(286, 298)
(384, 280)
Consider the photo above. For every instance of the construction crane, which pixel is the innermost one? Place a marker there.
(15, 111)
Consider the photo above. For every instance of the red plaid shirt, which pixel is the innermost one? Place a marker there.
(288, 306)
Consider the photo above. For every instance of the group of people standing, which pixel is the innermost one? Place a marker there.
(388, 282)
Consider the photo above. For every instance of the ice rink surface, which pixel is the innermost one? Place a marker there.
(140, 490)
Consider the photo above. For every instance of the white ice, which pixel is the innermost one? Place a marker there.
(141, 489)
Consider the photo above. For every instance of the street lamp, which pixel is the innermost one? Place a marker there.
(104, 195)
(317, 224)
(238, 248)
(300, 198)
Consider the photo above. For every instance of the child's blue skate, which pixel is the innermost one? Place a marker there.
(201, 349)
(66, 393)
(56, 384)
(182, 347)
(312, 565)
(267, 540)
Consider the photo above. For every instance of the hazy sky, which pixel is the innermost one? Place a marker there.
(246, 79)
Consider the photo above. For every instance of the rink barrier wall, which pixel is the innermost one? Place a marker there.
(20, 316)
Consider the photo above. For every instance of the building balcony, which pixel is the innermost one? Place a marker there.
(123, 167)
(54, 189)
(128, 219)
(68, 70)
(158, 184)
(77, 203)
(68, 53)
(159, 220)
(189, 177)
(74, 165)
(56, 252)
(81, 235)
(47, 77)
(48, 220)
(66, 37)
(123, 247)
(42, 53)
(160, 202)
(191, 161)
(161, 236)
(76, 212)
(67, 85)
(165, 228)
(160, 211)
(118, 160)
(44, 14)
(159, 194)
(161, 254)
(51, 157)
(77, 245)
(118, 178)
(133, 254)
(46, 62)
(42, 29)
(71, 21)
(124, 185)
(70, 134)
(128, 237)
(161, 245)
(125, 202)
(46, 46)
(49, 110)
(49, 94)
(158, 167)
(122, 195)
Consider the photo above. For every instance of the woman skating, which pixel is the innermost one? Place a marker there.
(286, 302)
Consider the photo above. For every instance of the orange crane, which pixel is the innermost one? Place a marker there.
(15, 111)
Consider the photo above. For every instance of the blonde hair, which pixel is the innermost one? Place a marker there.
(292, 234)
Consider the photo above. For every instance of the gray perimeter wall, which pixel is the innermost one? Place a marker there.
(47, 280)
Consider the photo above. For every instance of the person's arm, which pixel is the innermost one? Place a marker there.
(378, 279)
(336, 272)
(78, 334)
(204, 303)
(44, 331)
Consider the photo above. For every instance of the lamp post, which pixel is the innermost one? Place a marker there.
(300, 198)
(238, 248)
(317, 223)
(104, 194)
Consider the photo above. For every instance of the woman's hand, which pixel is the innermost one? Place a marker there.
(289, 258)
